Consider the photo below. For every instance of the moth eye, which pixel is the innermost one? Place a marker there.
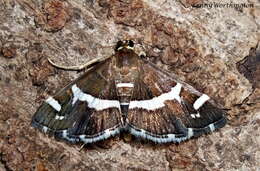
(118, 45)
(130, 43)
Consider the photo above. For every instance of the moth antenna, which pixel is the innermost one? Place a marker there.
(106, 46)
(78, 67)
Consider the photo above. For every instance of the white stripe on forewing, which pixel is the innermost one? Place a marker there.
(77, 94)
(200, 101)
(58, 117)
(158, 102)
(130, 85)
(54, 103)
(93, 102)
(195, 115)
(198, 115)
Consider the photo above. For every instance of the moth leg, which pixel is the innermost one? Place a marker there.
(77, 67)
(81, 147)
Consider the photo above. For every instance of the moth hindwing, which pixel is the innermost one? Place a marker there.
(126, 92)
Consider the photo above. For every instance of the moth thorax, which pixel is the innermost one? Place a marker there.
(124, 70)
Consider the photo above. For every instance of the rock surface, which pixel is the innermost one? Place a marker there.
(216, 50)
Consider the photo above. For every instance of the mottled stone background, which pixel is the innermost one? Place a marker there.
(216, 50)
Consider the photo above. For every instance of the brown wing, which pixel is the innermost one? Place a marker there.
(165, 109)
(87, 110)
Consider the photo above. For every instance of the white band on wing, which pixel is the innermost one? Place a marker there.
(158, 102)
(54, 103)
(130, 85)
(200, 101)
(93, 102)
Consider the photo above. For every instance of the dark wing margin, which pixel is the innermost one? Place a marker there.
(164, 109)
(87, 110)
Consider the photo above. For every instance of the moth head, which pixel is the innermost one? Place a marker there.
(126, 44)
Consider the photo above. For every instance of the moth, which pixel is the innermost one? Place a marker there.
(127, 93)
